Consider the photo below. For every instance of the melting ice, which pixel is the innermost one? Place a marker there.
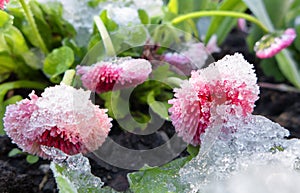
(256, 157)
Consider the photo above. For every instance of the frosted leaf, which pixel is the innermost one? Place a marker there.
(230, 162)
(73, 173)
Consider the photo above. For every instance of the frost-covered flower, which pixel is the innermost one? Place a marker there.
(2, 2)
(117, 74)
(193, 57)
(63, 117)
(271, 44)
(229, 82)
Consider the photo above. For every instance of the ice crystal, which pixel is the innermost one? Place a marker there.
(253, 158)
(72, 172)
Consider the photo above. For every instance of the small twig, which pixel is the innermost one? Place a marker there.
(279, 87)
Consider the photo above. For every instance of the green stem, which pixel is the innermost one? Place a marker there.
(68, 77)
(219, 13)
(30, 19)
(108, 45)
(5, 87)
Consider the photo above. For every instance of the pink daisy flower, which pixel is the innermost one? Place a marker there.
(63, 117)
(271, 44)
(230, 82)
(2, 2)
(120, 73)
(193, 57)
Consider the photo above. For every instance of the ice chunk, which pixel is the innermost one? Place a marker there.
(232, 161)
(72, 172)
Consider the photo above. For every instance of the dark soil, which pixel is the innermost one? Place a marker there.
(16, 175)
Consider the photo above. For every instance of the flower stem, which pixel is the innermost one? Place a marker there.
(68, 77)
(30, 19)
(108, 45)
(219, 13)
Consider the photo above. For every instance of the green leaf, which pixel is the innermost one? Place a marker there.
(258, 8)
(277, 10)
(34, 60)
(288, 67)
(43, 27)
(32, 159)
(58, 61)
(160, 108)
(135, 36)
(109, 24)
(14, 151)
(143, 17)
(12, 100)
(74, 175)
(6, 20)
(15, 41)
(173, 6)
(221, 26)
(158, 179)
(270, 68)
(64, 184)
(193, 151)
(7, 64)
(115, 104)
(297, 40)
(188, 6)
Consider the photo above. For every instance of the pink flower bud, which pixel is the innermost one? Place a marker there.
(271, 44)
(121, 73)
(63, 117)
(230, 82)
